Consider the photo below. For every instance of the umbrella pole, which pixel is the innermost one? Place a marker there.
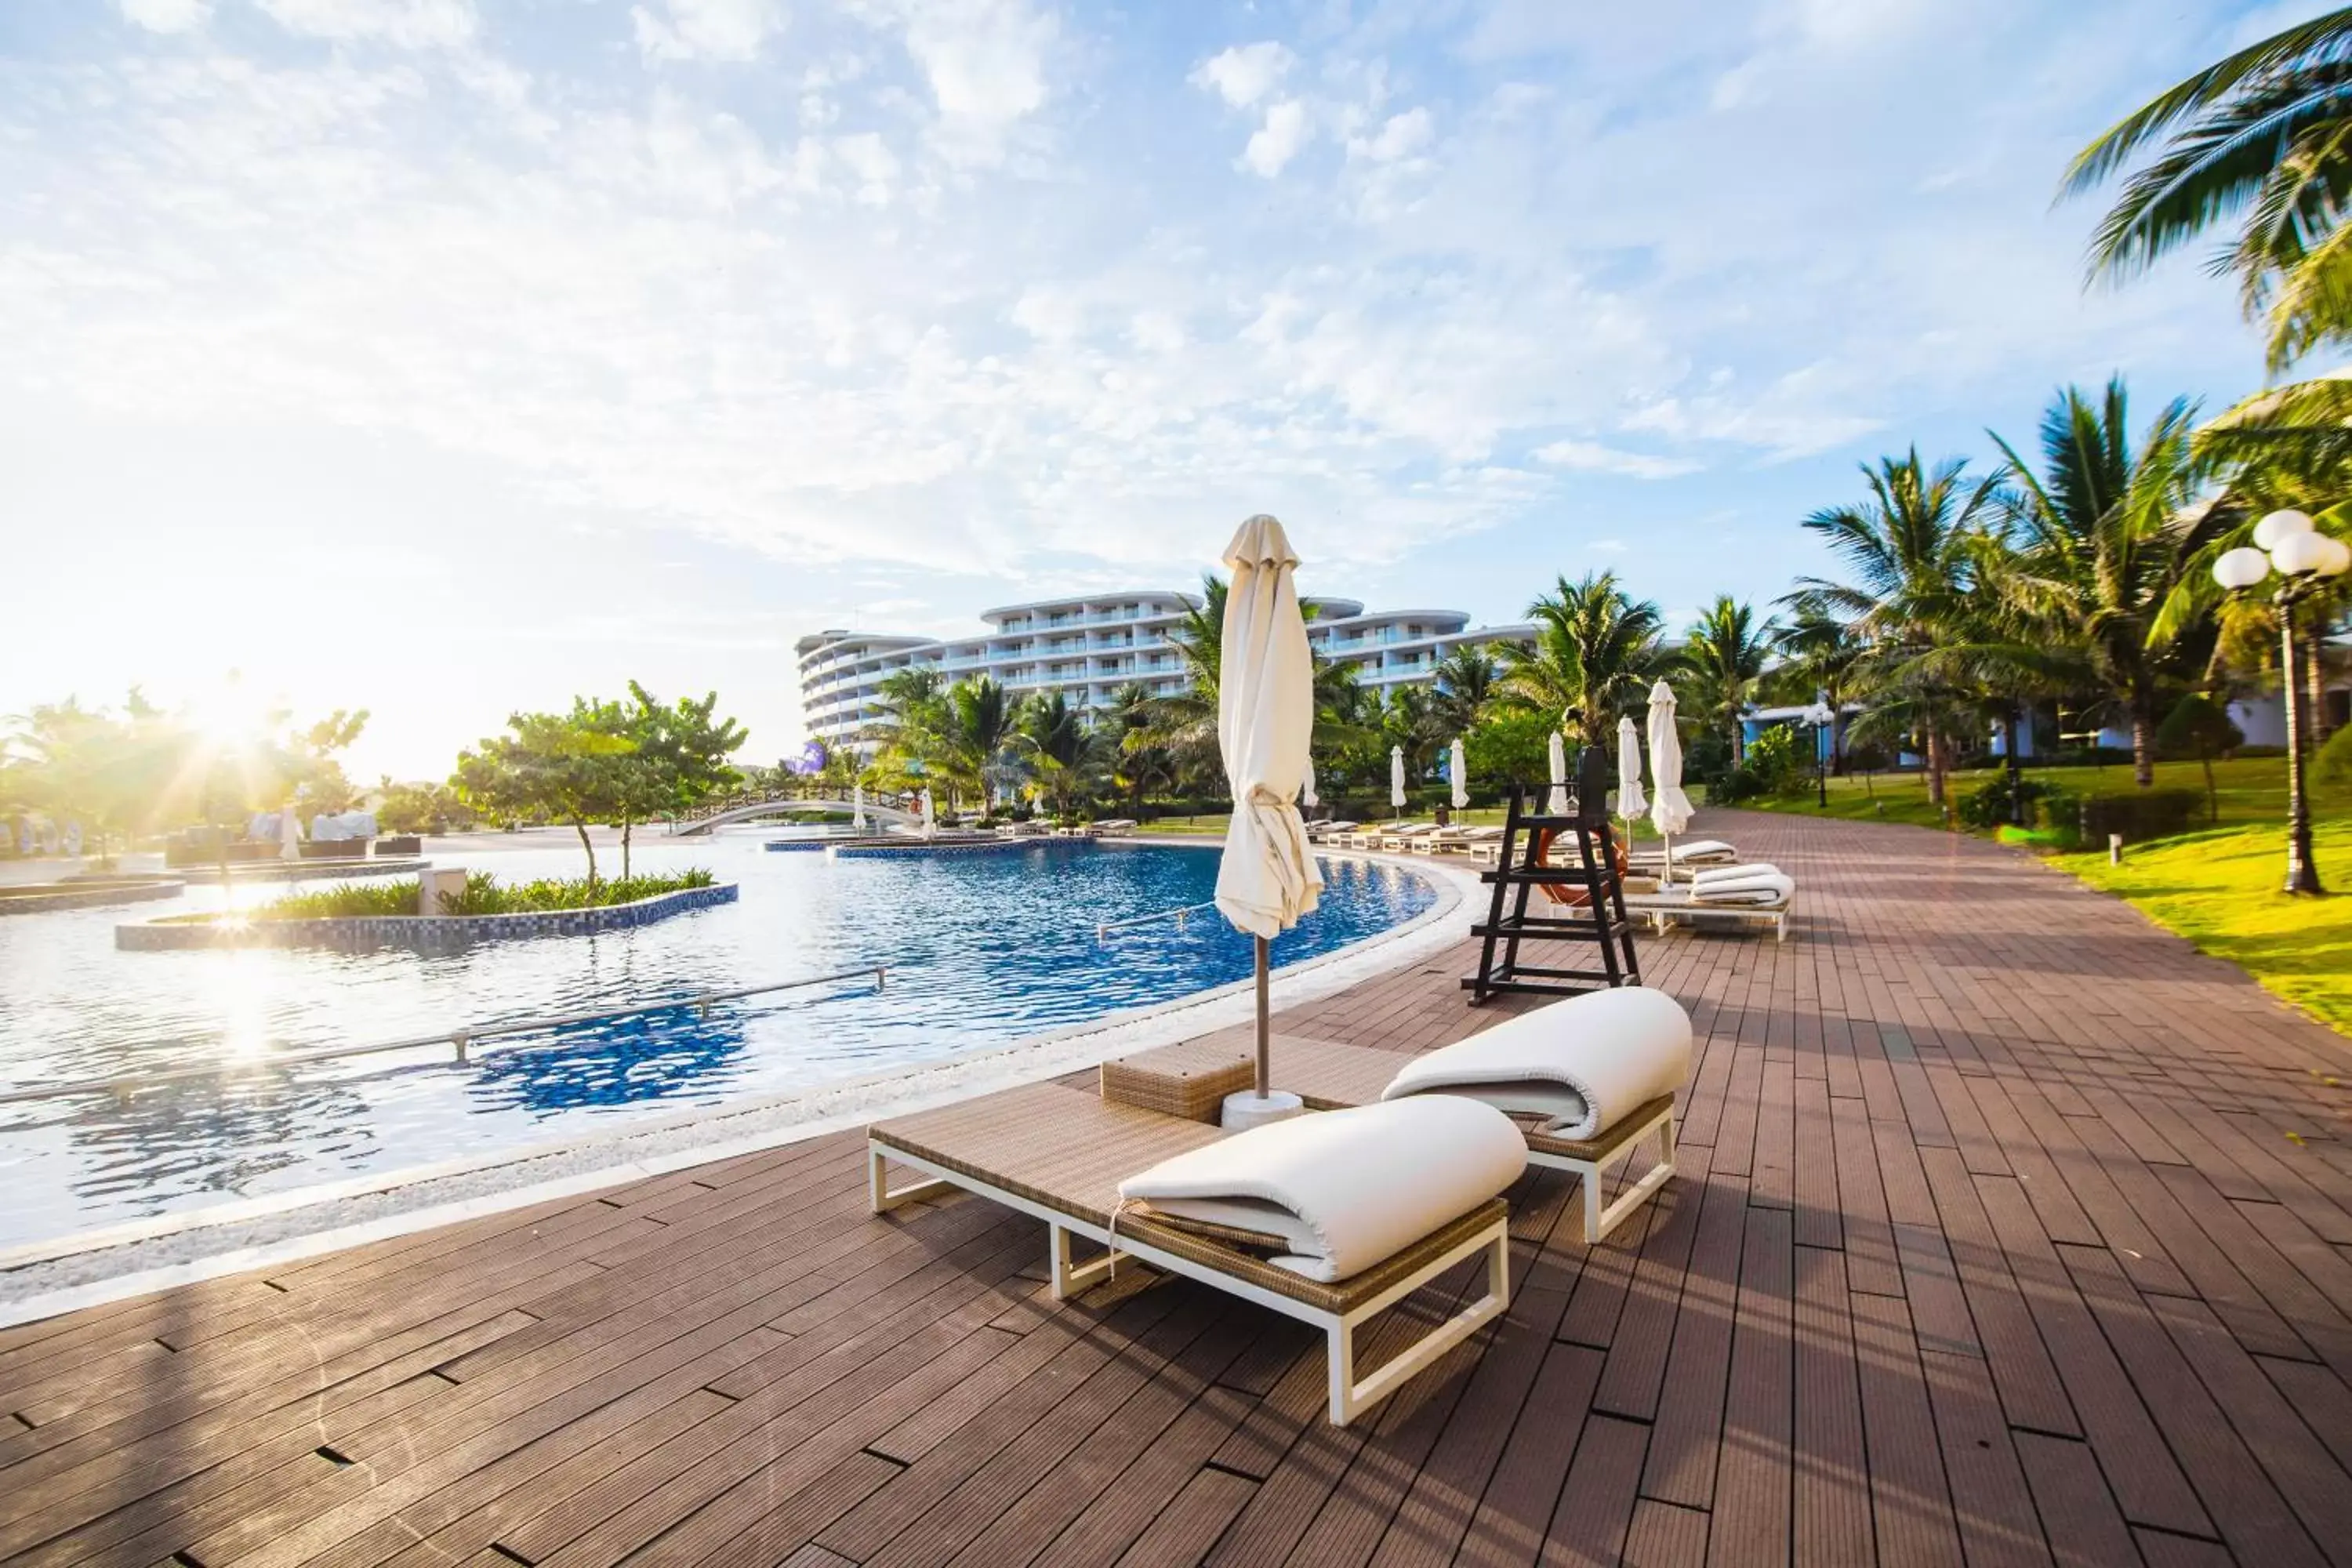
(1264, 1073)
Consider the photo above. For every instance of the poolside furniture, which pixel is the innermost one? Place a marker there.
(1116, 824)
(1697, 852)
(1062, 1156)
(1589, 1080)
(1403, 838)
(1317, 832)
(1570, 868)
(1755, 893)
(1456, 840)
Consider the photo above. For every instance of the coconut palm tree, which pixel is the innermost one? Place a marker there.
(1913, 549)
(1725, 654)
(2266, 131)
(1595, 652)
(1468, 682)
(976, 726)
(1818, 655)
(2101, 543)
(1062, 746)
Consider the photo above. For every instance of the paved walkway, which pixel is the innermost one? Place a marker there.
(2011, 1230)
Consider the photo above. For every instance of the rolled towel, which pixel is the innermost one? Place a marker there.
(1343, 1189)
(1730, 876)
(1580, 1064)
(1696, 849)
(1764, 891)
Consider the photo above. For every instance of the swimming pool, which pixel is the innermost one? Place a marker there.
(981, 950)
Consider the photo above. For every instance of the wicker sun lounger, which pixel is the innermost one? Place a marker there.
(1330, 1076)
(1059, 1153)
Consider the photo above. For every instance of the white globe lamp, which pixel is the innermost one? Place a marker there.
(2240, 568)
(2280, 526)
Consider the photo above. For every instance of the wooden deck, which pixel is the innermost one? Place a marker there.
(2010, 1231)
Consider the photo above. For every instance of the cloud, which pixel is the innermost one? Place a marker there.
(1246, 73)
(984, 62)
(1400, 136)
(1592, 458)
(167, 16)
(1278, 139)
(410, 23)
(706, 29)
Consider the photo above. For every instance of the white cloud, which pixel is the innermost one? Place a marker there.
(1400, 136)
(706, 29)
(412, 24)
(985, 62)
(1246, 73)
(1594, 458)
(1278, 139)
(167, 16)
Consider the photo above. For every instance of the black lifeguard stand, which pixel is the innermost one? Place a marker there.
(1522, 868)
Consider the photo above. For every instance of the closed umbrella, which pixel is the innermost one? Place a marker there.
(1558, 805)
(1396, 779)
(290, 834)
(1459, 767)
(1670, 810)
(857, 807)
(1632, 803)
(1266, 714)
(1307, 791)
(927, 828)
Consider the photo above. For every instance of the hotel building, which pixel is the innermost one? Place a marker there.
(1087, 647)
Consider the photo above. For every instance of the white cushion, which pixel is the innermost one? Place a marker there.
(1558, 1105)
(1360, 1186)
(1614, 1050)
(1697, 849)
(1729, 875)
(1765, 892)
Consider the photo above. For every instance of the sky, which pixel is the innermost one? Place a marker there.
(450, 357)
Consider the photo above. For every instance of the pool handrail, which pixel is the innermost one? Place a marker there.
(1177, 914)
(459, 1038)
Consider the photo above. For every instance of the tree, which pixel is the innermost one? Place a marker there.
(553, 764)
(1912, 548)
(1596, 650)
(2266, 131)
(1062, 747)
(1725, 654)
(419, 808)
(1818, 655)
(2100, 545)
(976, 731)
(2201, 726)
(678, 760)
(1468, 682)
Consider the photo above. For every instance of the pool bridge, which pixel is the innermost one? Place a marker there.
(787, 804)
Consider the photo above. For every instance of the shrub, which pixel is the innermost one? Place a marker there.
(2334, 763)
(1736, 786)
(1988, 805)
(484, 895)
(1772, 761)
(2085, 821)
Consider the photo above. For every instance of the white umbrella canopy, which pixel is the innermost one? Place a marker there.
(1396, 779)
(1265, 717)
(290, 834)
(1558, 805)
(857, 807)
(1670, 809)
(927, 828)
(1458, 766)
(1266, 714)
(1307, 790)
(1631, 802)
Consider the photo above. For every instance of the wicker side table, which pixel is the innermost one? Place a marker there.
(1190, 1079)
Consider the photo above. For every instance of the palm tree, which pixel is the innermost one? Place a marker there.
(1725, 653)
(1469, 682)
(2266, 131)
(1595, 652)
(976, 726)
(1062, 746)
(1914, 548)
(1818, 655)
(2101, 545)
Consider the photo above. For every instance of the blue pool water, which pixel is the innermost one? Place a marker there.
(983, 949)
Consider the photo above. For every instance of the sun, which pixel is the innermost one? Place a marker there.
(230, 715)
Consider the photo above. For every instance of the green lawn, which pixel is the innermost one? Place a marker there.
(2218, 887)
(2220, 890)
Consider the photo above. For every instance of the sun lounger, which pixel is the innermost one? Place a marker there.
(1322, 831)
(1061, 1155)
(1403, 838)
(1697, 852)
(1456, 840)
(1116, 824)
(1757, 894)
(1628, 1049)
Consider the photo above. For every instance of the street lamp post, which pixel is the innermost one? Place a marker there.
(2286, 542)
(1821, 715)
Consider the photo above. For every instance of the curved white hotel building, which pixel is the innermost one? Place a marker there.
(1087, 648)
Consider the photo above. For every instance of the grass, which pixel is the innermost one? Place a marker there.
(2220, 890)
(2218, 887)
(484, 895)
